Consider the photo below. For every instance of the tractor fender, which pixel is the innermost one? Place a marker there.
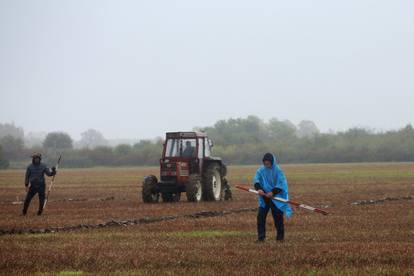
(218, 162)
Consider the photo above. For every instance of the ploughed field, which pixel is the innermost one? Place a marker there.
(176, 238)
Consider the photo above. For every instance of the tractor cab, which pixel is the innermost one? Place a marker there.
(186, 165)
(183, 155)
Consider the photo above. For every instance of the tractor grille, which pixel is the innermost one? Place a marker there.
(169, 166)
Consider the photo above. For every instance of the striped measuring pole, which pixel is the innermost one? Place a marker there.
(300, 205)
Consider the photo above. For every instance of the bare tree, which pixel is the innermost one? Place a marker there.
(91, 139)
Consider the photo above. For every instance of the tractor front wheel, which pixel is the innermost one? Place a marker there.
(227, 190)
(149, 189)
(194, 189)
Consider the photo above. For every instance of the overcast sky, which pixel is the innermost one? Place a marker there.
(135, 69)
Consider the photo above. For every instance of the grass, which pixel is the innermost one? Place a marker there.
(208, 234)
(353, 240)
(70, 273)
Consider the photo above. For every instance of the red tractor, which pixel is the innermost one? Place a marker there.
(187, 166)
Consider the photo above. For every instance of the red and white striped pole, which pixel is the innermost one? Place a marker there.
(51, 183)
(303, 206)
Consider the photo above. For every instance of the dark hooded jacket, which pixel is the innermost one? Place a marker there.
(35, 174)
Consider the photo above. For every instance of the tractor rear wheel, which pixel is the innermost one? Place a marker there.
(194, 189)
(149, 186)
(212, 183)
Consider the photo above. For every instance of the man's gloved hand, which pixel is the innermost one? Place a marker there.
(275, 191)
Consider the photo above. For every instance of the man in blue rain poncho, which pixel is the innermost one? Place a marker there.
(271, 181)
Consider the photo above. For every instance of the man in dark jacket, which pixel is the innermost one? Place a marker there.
(35, 182)
(189, 150)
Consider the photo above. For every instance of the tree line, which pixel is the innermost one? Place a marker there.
(237, 141)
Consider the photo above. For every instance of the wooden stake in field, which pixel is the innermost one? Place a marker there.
(303, 206)
(51, 182)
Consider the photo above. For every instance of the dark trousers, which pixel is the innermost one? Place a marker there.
(33, 190)
(277, 218)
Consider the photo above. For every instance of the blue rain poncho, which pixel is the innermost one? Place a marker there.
(270, 178)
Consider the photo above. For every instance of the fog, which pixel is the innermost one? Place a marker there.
(140, 68)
